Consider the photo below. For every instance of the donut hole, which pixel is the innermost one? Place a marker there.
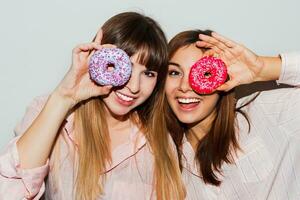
(110, 67)
(207, 74)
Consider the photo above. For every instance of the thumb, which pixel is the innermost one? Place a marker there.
(227, 86)
(104, 90)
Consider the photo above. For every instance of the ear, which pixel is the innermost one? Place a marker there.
(99, 36)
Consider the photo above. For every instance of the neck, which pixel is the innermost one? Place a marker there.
(200, 129)
(117, 122)
(119, 128)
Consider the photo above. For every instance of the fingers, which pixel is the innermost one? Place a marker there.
(216, 40)
(91, 46)
(89, 88)
(212, 42)
(227, 58)
(203, 44)
(229, 43)
(222, 56)
(86, 47)
(227, 49)
(216, 49)
(208, 45)
(94, 88)
(99, 36)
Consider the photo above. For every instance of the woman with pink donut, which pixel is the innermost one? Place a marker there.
(233, 149)
(89, 141)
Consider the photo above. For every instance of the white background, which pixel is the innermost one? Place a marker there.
(36, 37)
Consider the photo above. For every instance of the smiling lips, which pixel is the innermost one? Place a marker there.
(125, 99)
(188, 104)
(185, 103)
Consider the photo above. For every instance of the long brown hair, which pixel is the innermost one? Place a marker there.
(221, 142)
(134, 33)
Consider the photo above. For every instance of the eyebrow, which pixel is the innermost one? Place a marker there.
(175, 64)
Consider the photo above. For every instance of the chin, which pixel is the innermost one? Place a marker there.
(118, 110)
(187, 119)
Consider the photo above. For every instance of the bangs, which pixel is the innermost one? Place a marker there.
(140, 35)
(186, 38)
(151, 53)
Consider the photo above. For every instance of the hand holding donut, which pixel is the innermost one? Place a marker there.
(207, 74)
(77, 86)
(243, 66)
(110, 66)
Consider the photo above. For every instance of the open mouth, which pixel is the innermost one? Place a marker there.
(188, 103)
(188, 100)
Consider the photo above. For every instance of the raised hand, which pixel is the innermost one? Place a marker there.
(77, 85)
(243, 65)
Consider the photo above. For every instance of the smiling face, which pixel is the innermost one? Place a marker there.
(136, 91)
(188, 106)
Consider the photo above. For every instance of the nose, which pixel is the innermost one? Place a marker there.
(184, 84)
(134, 82)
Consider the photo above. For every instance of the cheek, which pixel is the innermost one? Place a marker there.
(148, 85)
(210, 103)
(108, 98)
(170, 86)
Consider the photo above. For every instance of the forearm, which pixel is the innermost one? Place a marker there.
(271, 68)
(35, 145)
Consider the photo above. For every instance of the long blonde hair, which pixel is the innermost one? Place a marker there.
(133, 33)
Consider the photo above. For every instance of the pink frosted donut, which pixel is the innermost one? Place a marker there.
(207, 74)
(102, 59)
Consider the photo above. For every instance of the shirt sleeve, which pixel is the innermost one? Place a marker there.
(15, 182)
(283, 105)
(289, 117)
(290, 69)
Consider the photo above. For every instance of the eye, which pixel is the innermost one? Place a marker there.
(174, 73)
(150, 73)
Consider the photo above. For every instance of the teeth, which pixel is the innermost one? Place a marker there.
(188, 100)
(124, 97)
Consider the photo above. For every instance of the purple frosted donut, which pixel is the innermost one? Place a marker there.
(102, 59)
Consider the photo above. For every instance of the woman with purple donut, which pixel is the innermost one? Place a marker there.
(86, 141)
(234, 149)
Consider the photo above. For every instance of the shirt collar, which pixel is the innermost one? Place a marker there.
(188, 157)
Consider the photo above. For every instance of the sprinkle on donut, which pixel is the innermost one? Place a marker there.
(110, 66)
(207, 74)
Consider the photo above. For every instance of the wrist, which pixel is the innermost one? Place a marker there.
(271, 68)
(62, 99)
